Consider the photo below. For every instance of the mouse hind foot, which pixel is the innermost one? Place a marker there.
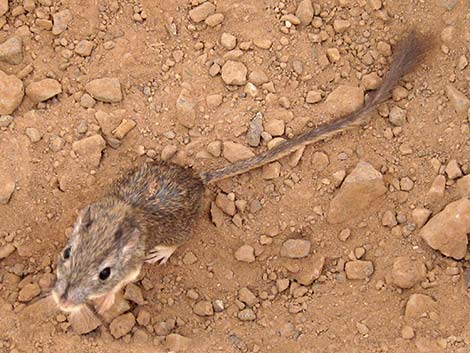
(160, 253)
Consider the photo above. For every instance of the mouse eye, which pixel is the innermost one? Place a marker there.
(104, 274)
(66, 253)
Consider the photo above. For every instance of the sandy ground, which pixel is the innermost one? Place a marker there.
(214, 296)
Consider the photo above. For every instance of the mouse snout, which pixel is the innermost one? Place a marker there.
(66, 298)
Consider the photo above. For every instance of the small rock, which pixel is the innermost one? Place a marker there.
(275, 127)
(217, 215)
(3, 7)
(203, 308)
(5, 120)
(84, 48)
(344, 100)
(215, 148)
(11, 51)
(247, 315)
(134, 294)
(89, 149)
(406, 272)
(406, 184)
(311, 271)
(11, 93)
(438, 187)
(119, 307)
(407, 332)
(362, 328)
(168, 152)
(371, 81)
(258, 77)
(122, 325)
(305, 12)
(333, 54)
(253, 136)
(7, 249)
(389, 219)
(320, 161)
(189, 258)
(384, 48)
(84, 321)
(358, 191)
(263, 43)
(341, 26)
(124, 128)
(178, 343)
(313, 97)
(107, 89)
(214, 20)
(43, 90)
(61, 21)
(447, 231)
(397, 116)
(7, 186)
(463, 185)
(359, 269)
(143, 318)
(185, 107)
(245, 253)
(225, 204)
(28, 292)
(417, 305)
(33, 134)
(218, 305)
(246, 296)
(420, 216)
(453, 170)
(228, 41)
(234, 152)
(458, 100)
(234, 73)
(201, 12)
(295, 248)
(271, 170)
(214, 100)
(87, 101)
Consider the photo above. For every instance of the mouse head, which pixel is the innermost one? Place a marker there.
(104, 252)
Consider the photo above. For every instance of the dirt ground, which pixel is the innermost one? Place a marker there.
(233, 287)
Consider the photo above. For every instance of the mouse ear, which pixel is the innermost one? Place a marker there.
(131, 242)
(84, 218)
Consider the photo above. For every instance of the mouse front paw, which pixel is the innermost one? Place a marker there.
(160, 253)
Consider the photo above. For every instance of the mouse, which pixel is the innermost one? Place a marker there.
(150, 210)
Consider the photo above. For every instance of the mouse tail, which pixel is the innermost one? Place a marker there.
(407, 55)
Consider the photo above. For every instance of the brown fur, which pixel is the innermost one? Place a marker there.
(157, 204)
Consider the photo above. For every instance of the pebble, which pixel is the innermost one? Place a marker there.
(84, 48)
(5, 120)
(406, 184)
(61, 21)
(124, 128)
(463, 185)
(106, 89)
(263, 43)
(358, 190)
(168, 152)
(310, 271)
(3, 7)
(246, 296)
(341, 26)
(362, 328)
(177, 343)
(201, 12)
(417, 305)
(89, 149)
(134, 294)
(420, 216)
(203, 308)
(438, 187)
(407, 332)
(458, 100)
(225, 204)
(218, 306)
(33, 134)
(87, 101)
(214, 100)
(122, 325)
(447, 231)
(28, 292)
(215, 148)
(11, 93)
(234, 152)
(320, 161)
(384, 48)
(84, 321)
(234, 73)
(7, 187)
(371, 81)
(305, 12)
(313, 97)
(275, 127)
(214, 20)
(271, 171)
(7, 249)
(11, 51)
(43, 90)
(247, 315)
(389, 219)
(258, 77)
(333, 54)
(245, 253)
(185, 107)
(189, 258)
(406, 273)
(359, 269)
(295, 248)
(397, 116)
(453, 170)
(344, 100)
(217, 215)
(253, 136)
(228, 41)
